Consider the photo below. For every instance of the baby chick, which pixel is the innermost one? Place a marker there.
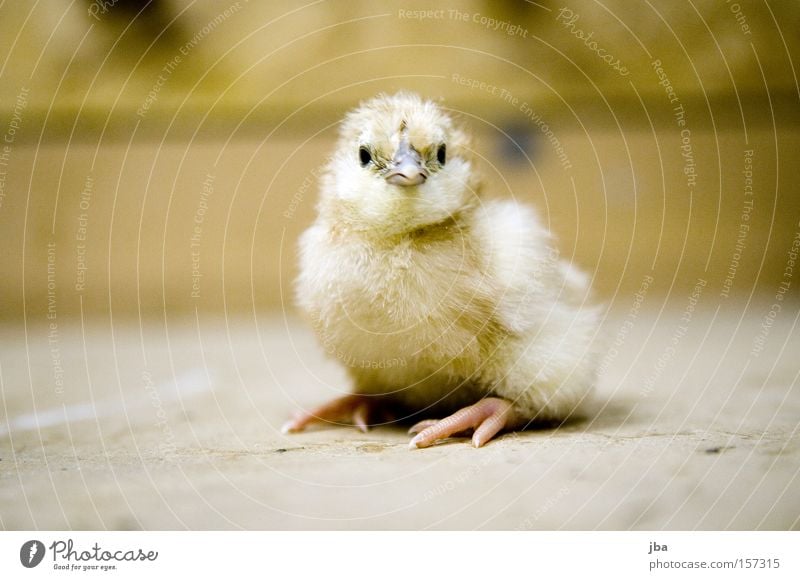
(435, 300)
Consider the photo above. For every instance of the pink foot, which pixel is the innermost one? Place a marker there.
(488, 417)
(352, 409)
(422, 425)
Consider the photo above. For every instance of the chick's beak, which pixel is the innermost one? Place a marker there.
(406, 168)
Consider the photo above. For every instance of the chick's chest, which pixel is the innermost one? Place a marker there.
(405, 297)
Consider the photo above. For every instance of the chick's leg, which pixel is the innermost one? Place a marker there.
(354, 409)
(488, 417)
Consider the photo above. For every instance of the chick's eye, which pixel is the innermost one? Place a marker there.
(441, 154)
(364, 156)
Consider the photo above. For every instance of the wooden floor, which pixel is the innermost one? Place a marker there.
(154, 427)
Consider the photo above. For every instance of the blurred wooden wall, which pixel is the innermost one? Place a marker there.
(162, 160)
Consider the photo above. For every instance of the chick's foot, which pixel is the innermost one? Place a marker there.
(350, 409)
(424, 424)
(487, 417)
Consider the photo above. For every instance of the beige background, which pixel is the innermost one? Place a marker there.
(129, 402)
(255, 102)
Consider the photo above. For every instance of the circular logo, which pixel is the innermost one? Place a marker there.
(31, 553)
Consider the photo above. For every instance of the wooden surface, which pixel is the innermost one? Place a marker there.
(149, 349)
(178, 427)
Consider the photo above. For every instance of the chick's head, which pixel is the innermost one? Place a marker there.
(400, 164)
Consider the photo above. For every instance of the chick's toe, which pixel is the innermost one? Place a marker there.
(350, 409)
(422, 425)
(487, 417)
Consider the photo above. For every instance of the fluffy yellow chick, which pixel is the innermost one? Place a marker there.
(436, 301)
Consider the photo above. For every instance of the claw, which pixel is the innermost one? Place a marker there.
(360, 415)
(350, 408)
(488, 417)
